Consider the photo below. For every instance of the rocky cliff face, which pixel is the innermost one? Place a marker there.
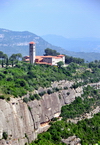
(23, 122)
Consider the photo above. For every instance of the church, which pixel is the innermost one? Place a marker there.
(50, 60)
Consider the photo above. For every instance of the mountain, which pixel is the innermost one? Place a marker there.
(17, 42)
(88, 44)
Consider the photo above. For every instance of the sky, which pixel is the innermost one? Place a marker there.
(68, 18)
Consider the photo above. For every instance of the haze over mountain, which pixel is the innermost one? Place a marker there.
(86, 44)
(17, 42)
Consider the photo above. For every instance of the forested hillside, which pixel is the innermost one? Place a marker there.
(18, 78)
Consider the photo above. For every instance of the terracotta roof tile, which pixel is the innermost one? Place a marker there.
(32, 43)
(60, 55)
(43, 63)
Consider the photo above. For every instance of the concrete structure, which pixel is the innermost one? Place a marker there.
(32, 52)
(50, 60)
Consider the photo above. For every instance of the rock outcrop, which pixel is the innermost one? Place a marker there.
(22, 122)
(72, 140)
(85, 116)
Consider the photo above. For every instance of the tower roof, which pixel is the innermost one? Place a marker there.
(32, 43)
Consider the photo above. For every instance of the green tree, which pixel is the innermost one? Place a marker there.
(18, 56)
(49, 51)
(60, 64)
(7, 62)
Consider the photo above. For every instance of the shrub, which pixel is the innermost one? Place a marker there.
(56, 89)
(8, 99)
(42, 93)
(2, 76)
(65, 88)
(54, 119)
(68, 93)
(10, 78)
(29, 108)
(25, 99)
(5, 135)
(59, 96)
(2, 97)
(36, 96)
(49, 91)
(31, 97)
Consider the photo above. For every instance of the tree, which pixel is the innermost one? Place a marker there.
(2, 64)
(14, 58)
(60, 63)
(4, 56)
(49, 51)
(7, 62)
(18, 56)
(1, 54)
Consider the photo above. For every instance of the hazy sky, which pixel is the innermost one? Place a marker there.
(69, 18)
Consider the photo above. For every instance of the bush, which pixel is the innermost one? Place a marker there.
(56, 89)
(31, 97)
(29, 108)
(5, 135)
(36, 96)
(54, 119)
(8, 99)
(2, 97)
(25, 99)
(42, 93)
(49, 91)
(68, 93)
(65, 88)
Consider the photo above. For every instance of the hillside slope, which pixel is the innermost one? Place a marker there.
(17, 42)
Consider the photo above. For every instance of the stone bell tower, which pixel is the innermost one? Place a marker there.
(32, 52)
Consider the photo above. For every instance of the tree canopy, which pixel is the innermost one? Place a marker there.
(49, 51)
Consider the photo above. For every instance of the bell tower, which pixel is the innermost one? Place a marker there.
(32, 52)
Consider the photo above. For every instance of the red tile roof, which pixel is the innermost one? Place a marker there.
(32, 43)
(60, 55)
(44, 63)
(39, 59)
(26, 57)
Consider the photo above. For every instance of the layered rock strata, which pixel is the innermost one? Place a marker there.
(22, 122)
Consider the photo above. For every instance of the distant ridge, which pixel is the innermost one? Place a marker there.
(17, 42)
(87, 44)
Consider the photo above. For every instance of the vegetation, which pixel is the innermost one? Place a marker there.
(68, 59)
(60, 64)
(89, 100)
(5, 135)
(13, 59)
(28, 77)
(49, 51)
(21, 78)
(87, 130)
